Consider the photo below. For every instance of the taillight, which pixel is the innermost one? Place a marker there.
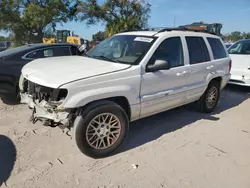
(230, 66)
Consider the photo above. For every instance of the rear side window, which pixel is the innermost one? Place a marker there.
(218, 49)
(198, 52)
(35, 55)
(50, 52)
(62, 51)
(74, 50)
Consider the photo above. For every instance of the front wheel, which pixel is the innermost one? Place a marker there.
(102, 130)
(209, 100)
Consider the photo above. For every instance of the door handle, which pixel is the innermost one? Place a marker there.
(181, 73)
(210, 67)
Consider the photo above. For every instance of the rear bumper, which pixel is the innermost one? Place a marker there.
(225, 80)
(240, 80)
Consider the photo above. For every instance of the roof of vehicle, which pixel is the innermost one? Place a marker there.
(243, 40)
(31, 47)
(169, 31)
(142, 33)
(48, 45)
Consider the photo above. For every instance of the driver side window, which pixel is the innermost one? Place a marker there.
(170, 50)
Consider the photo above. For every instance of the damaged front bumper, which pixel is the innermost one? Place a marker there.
(45, 111)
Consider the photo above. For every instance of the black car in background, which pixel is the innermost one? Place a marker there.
(3, 46)
(13, 60)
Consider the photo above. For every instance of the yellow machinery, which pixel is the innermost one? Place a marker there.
(201, 26)
(64, 36)
(49, 40)
(75, 40)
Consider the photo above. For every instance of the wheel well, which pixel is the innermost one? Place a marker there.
(218, 79)
(121, 101)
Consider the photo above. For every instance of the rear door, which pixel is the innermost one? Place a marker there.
(200, 65)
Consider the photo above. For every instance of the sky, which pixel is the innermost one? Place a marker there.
(234, 15)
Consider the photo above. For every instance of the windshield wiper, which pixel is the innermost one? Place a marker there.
(105, 58)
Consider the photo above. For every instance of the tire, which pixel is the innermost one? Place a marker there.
(86, 143)
(203, 103)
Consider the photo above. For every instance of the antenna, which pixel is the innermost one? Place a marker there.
(174, 20)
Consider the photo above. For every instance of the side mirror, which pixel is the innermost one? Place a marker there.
(159, 64)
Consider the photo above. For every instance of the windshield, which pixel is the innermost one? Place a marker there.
(128, 49)
(241, 47)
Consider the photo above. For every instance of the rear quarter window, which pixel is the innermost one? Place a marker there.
(219, 52)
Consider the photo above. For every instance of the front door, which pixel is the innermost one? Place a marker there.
(165, 89)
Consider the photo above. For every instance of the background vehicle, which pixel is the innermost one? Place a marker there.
(12, 61)
(228, 44)
(2, 46)
(240, 54)
(129, 76)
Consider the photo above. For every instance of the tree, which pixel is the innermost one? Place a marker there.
(245, 35)
(118, 15)
(28, 19)
(99, 36)
(2, 38)
(236, 35)
(7, 38)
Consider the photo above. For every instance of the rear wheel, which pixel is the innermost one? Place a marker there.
(209, 100)
(102, 130)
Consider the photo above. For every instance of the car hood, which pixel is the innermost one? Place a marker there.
(57, 71)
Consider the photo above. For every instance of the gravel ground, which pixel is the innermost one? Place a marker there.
(175, 149)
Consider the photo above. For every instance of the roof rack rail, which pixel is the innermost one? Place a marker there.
(129, 30)
(182, 28)
(163, 29)
(146, 29)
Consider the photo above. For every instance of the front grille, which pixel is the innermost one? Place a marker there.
(40, 93)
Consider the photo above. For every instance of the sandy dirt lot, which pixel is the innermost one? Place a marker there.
(176, 149)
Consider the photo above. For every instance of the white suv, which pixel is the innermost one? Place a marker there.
(129, 76)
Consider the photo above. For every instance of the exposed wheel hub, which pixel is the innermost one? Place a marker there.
(103, 130)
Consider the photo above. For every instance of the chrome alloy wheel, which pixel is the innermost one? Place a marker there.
(103, 131)
(212, 97)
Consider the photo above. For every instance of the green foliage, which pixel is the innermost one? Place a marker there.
(119, 15)
(99, 36)
(8, 38)
(236, 35)
(28, 19)
(2, 38)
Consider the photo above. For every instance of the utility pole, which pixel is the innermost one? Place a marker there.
(174, 20)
